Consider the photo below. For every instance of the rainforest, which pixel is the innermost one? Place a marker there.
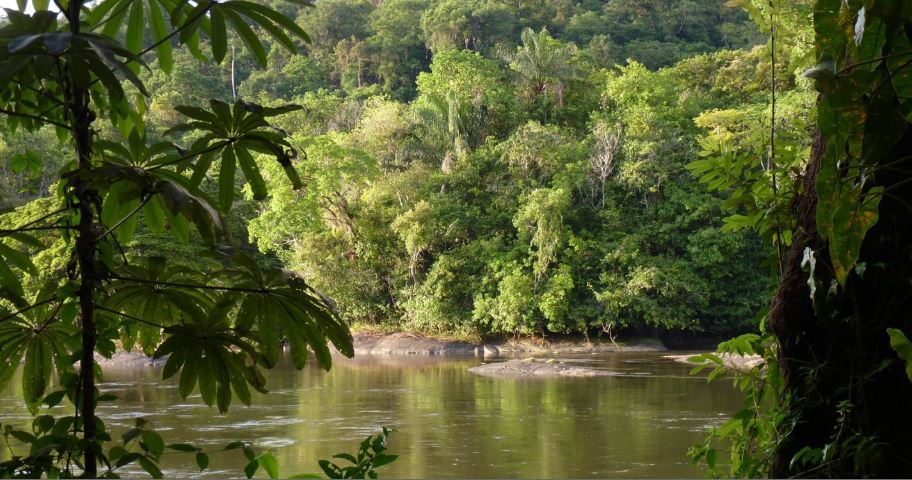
(233, 187)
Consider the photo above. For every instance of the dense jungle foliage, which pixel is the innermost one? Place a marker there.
(463, 168)
(491, 167)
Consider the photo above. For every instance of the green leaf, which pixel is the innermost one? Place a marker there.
(43, 423)
(219, 35)
(54, 398)
(226, 178)
(36, 373)
(154, 443)
(154, 214)
(251, 468)
(189, 373)
(18, 258)
(207, 381)
(251, 173)
(25, 161)
(136, 29)
(150, 467)
(159, 32)
(247, 36)
(900, 343)
(851, 221)
(711, 458)
(10, 281)
(268, 336)
(182, 447)
(269, 464)
(202, 460)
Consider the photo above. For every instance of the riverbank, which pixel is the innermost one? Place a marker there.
(403, 344)
(413, 344)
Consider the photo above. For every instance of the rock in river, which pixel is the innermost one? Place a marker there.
(536, 368)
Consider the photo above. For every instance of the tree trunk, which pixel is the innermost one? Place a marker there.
(80, 119)
(843, 384)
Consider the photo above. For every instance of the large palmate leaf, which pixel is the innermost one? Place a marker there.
(240, 15)
(12, 258)
(280, 304)
(166, 198)
(218, 343)
(40, 339)
(133, 18)
(91, 59)
(148, 293)
(232, 132)
(22, 73)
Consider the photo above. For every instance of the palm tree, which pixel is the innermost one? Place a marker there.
(543, 64)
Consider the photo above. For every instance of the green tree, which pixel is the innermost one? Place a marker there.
(544, 66)
(398, 40)
(842, 294)
(476, 25)
(67, 69)
(332, 21)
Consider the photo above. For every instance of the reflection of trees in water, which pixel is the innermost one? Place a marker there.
(446, 416)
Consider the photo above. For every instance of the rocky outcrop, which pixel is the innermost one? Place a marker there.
(533, 368)
(735, 362)
(408, 344)
(128, 360)
(578, 346)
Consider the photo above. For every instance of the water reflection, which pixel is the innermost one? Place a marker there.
(451, 423)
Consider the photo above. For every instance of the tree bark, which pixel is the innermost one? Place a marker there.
(843, 384)
(80, 118)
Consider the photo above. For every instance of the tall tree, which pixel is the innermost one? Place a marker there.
(68, 68)
(544, 65)
(842, 311)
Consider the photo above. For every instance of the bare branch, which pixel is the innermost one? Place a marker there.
(33, 117)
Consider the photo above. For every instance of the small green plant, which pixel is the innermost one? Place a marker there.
(370, 457)
(753, 433)
(55, 450)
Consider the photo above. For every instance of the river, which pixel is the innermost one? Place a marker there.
(451, 423)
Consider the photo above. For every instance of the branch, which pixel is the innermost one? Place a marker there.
(43, 217)
(40, 92)
(5, 232)
(190, 155)
(34, 117)
(112, 15)
(50, 317)
(131, 317)
(171, 35)
(147, 322)
(30, 307)
(190, 285)
(125, 218)
(873, 60)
